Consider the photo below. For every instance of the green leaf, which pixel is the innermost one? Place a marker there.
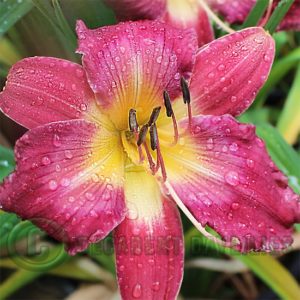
(7, 162)
(256, 13)
(289, 120)
(267, 268)
(20, 278)
(278, 14)
(11, 11)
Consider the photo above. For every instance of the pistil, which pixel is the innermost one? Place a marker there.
(170, 113)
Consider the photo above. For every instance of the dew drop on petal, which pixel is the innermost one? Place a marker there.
(46, 161)
(250, 163)
(155, 286)
(235, 206)
(232, 178)
(137, 291)
(68, 154)
(56, 140)
(52, 185)
(83, 107)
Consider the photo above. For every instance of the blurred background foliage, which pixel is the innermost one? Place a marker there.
(33, 266)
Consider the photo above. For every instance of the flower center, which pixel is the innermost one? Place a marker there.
(141, 141)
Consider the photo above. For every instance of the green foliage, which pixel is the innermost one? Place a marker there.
(11, 11)
(278, 14)
(256, 13)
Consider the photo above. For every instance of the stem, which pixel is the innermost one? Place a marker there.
(215, 18)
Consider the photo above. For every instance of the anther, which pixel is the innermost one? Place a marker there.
(142, 135)
(170, 113)
(168, 105)
(154, 115)
(185, 91)
(153, 137)
(133, 124)
(186, 99)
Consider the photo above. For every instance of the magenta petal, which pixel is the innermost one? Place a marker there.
(229, 72)
(117, 59)
(150, 255)
(230, 183)
(137, 10)
(62, 183)
(41, 90)
(291, 20)
(233, 11)
(187, 14)
(149, 242)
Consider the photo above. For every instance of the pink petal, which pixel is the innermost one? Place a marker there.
(230, 71)
(228, 181)
(148, 243)
(291, 20)
(188, 14)
(130, 64)
(137, 10)
(233, 10)
(63, 182)
(41, 90)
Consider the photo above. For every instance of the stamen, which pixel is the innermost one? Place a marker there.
(150, 160)
(154, 115)
(170, 113)
(185, 91)
(153, 137)
(160, 161)
(186, 99)
(133, 124)
(142, 135)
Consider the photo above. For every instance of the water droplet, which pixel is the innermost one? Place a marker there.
(250, 163)
(46, 161)
(122, 268)
(79, 73)
(89, 196)
(159, 59)
(232, 178)
(95, 177)
(210, 144)
(93, 214)
(233, 99)
(234, 147)
(235, 206)
(267, 58)
(83, 106)
(52, 185)
(137, 291)
(71, 199)
(221, 67)
(68, 154)
(56, 140)
(155, 286)
(65, 182)
(259, 39)
(230, 216)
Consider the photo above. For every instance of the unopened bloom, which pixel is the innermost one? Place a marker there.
(182, 14)
(236, 12)
(110, 147)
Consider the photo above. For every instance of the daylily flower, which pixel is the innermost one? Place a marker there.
(144, 124)
(237, 11)
(181, 14)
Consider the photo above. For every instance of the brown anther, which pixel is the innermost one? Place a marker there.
(185, 91)
(133, 124)
(153, 137)
(168, 105)
(142, 135)
(154, 115)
